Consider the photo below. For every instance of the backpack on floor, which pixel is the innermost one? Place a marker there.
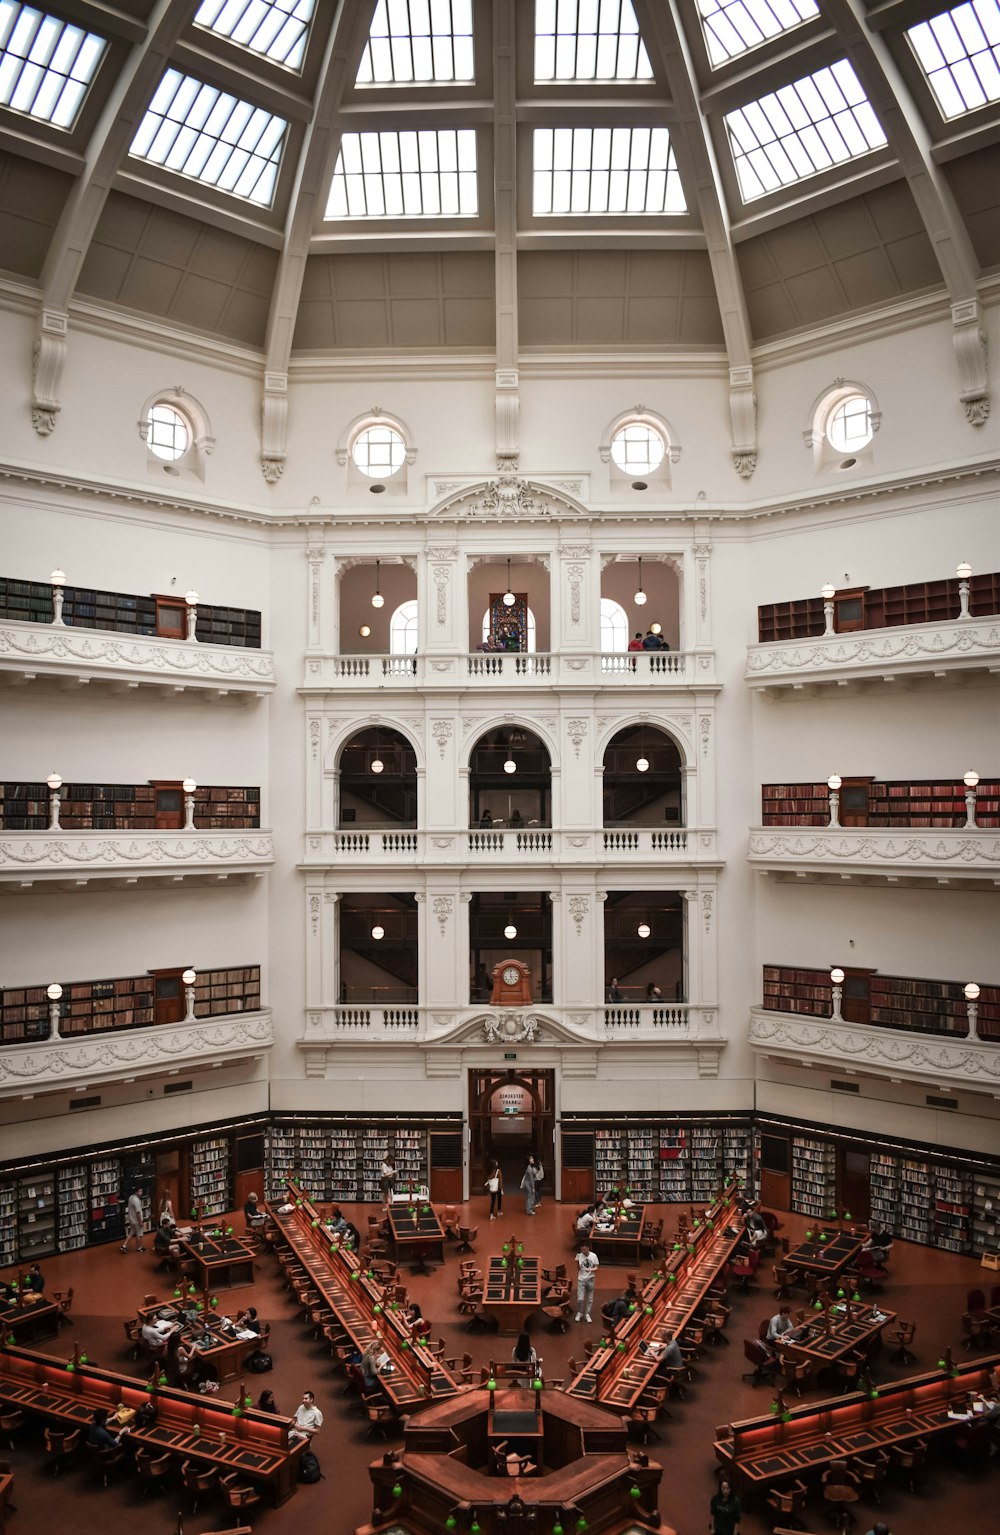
(260, 1363)
(309, 1470)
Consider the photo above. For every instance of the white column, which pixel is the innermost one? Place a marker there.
(699, 608)
(581, 946)
(444, 779)
(314, 946)
(315, 758)
(576, 572)
(317, 602)
(558, 952)
(442, 602)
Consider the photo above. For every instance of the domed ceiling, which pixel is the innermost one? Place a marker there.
(501, 179)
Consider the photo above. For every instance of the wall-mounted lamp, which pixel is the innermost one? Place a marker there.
(189, 786)
(191, 598)
(833, 783)
(378, 601)
(508, 597)
(828, 592)
(640, 597)
(972, 1005)
(55, 784)
(964, 574)
(54, 992)
(970, 780)
(189, 977)
(58, 580)
(837, 982)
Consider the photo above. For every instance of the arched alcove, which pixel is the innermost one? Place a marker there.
(628, 577)
(643, 778)
(510, 779)
(377, 770)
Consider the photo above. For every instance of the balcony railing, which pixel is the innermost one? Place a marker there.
(889, 1002)
(63, 1010)
(667, 669)
(527, 845)
(926, 650)
(78, 857)
(81, 656)
(666, 1023)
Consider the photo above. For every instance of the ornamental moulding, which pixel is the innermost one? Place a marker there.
(32, 642)
(508, 495)
(931, 641)
(80, 849)
(891, 846)
(142, 1050)
(883, 1051)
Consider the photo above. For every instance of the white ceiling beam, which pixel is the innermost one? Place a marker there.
(109, 144)
(505, 215)
(911, 143)
(667, 48)
(321, 144)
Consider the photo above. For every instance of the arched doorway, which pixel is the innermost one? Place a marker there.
(511, 1115)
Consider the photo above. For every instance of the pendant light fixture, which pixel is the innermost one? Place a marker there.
(508, 597)
(510, 766)
(376, 764)
(642, 765)
(378, 601)
(378, 932)
(510, 931)
(365, 631)
(640, 596)
(643, 929)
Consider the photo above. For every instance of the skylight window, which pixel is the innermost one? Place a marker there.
(202, 132)
(419, 42)
(733, 26)
(960, 54)
(46, 65)
(588, 40)
(279, 29)
(605, 170)
(426, 174)
(804, 128)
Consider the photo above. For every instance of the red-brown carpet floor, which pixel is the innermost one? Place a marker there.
(926, 1287)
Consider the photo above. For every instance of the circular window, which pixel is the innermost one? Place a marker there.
(637, 449)
(849, 424)
(378, 452)
(169, 434)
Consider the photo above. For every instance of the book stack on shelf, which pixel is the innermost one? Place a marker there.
(24, 806)
(26, 602)
(790, 620)
(795, 804)
(106, 1213)
(128, 613)
(108, 806)
(226, 809)
(313, 1160)
(410, 1150)
(737, 1154)
(883, 1190)
(952, 1209)
(674, 1170)
(36, 1216)
(123, 807)
(282, 1154)
(814, 1177)
(24, 1014)
(210, 1176)
(919, 602)
(228, 626)
(374, 1149)
(932, 1007)
(985, 1214)
(227, 991)
(643, 1160)
(915, 1182)
(71, 1184)
(706, 1171)
(343, 1163)
(797, 991)
(8, 1225)
(88, 608)
(610, 1165)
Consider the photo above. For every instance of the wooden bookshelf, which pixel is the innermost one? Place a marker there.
(126, 613)
(124, 1002)
(918, 602)
(794, 804)
(906, 802)
(126, 807)
(895, 1002)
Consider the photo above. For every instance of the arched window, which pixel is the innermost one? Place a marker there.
(531, 629)
(403, 629)
(614, 625)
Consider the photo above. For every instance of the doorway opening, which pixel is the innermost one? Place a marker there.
(511, 1116)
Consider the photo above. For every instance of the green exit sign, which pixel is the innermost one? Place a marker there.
(510, 1055)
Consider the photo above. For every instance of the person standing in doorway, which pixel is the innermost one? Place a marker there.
(587, 1264)
(134, 1221)
(533, 1175)
(494, 1183)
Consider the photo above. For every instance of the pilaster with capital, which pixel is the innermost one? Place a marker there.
(576, 577)
(447, 801)
(700, 607)
(317, 601)
(321, 909)
(444, 964)
(702, 783)
(558, 953)
(578, 805)
(578, 918)
(315, 747)
(441, 601)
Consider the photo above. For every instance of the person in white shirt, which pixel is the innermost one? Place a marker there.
(387, 1180)
(780, 1325)
(135, 1220)
(587, 1264)
(586, 1221)
(308, 1418)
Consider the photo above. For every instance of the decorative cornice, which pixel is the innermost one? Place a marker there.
(103, 1057)
(881, 1052)
(66, 851)
(915, 648)
(59, 651)
(875, 845)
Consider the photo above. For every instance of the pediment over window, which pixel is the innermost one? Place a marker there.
(511, 1026)
(508, 495)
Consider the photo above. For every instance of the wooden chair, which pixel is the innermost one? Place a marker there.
(104, 1460)
(198, 1481)
(59, 1446)
(467, 1235)
(642, 1418)
(872, 1473)
(238, 1494)
(651, 1240)
(64, 1300)
(558, 1308)
(976, 1331)
(840, 1490)
(10, 1422)
(909, 1460)
(133, 1334)
(788, 1503)
(714, 1322)
(152, 1472)
(449, 1221)
(794, 1372)
(782, 1279)
(759, 1355)
(847, 1370)
(381, 1417)
(903, 1336)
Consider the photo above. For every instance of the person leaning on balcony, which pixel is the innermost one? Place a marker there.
(651, 641)
(614, 990)
(486, 819)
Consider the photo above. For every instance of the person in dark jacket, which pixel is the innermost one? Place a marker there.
(725, 1510)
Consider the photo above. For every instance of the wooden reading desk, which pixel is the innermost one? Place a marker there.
(196, 1427)
(619, 1372)
(761, 1452)
(620, 1245)
(356, 1299)
(513, 1288)
(826, 1259)
(32, 1316)
(222, 1262)
(842, 1329)
(417, 1234)
(217, 1346)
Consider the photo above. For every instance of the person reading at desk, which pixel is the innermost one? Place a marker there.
(33, 1280)
(781, 1328)
(879, 1242)
(523, 1353)
(586, 1221)
(99, 1434)
(671, 1359)
(252, 1213)
(248, 1323)
(156, 1334)
(337, 1221)
(308, 1419)
(756, 1229)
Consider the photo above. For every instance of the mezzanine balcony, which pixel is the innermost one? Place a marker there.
(390, 1022)
(528, 846)
(72, 860)
(673, 669)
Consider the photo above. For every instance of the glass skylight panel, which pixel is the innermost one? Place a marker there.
(960, 54)
(425, 174)
(605, 170)
(733, 26)
(419, 42)
(212, 137)
(804, 128)
(279, 29)
(588, 40)
(46, 65)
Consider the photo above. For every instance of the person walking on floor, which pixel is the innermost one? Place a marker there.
(134, 1221)
(725, 1510)
(387, 1180)
(533, 1175)
(494, 1183)
(587, 1264)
